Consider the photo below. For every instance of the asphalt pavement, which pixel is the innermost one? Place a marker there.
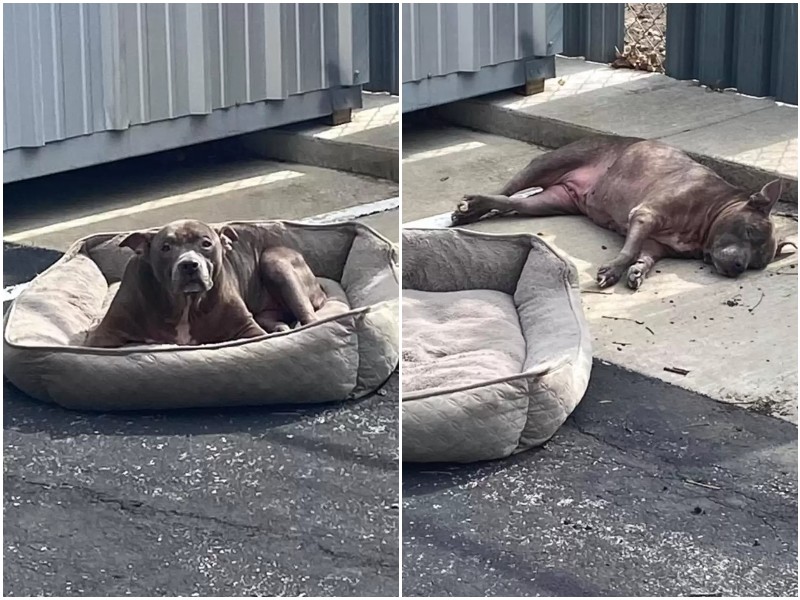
(252, 501)
(647, 490)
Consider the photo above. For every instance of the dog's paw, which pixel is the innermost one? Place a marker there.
(469, 210)
(636, 276)
(608, 276)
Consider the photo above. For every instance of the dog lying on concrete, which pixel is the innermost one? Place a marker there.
(665, 203)
(192, 284)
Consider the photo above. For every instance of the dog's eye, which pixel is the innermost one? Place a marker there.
(207, 243)
(165, 248)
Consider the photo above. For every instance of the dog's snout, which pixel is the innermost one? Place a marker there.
(189, 266)
(738, 267)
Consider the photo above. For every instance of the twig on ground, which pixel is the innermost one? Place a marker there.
(752, 308)
(596, 292)
(622, 343)
(788, 215)
(623, 319)
(677, 370)
(701, 484)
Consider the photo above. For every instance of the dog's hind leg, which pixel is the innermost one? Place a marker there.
(531, 202)
(279, 267)
(272, 321)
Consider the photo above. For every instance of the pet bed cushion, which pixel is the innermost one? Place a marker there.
(496, 351)
(349, 352)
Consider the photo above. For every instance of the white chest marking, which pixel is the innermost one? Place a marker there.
(183, 334)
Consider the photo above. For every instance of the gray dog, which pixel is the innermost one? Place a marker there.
(192, 284)
(665, 203)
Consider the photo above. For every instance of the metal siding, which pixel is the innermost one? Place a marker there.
(714, 43)
(441, 39)
(454, 51)
(407, 32)
(384, 48)
(750, 47)
(594, 31)
(783, 72)
(77, 69)
(679, 61)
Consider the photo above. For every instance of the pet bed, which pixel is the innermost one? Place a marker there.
(496, 351)
(349, 352)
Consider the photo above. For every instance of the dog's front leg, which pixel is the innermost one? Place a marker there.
(640, 225)
(651, 253)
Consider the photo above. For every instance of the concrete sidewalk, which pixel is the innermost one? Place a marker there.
(737, 337)
(746, 140)
(369, 144)
(212, 182)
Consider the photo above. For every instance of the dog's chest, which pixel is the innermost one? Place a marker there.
(183, 334)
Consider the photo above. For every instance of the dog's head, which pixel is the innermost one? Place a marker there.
(185, 256)
(743, 236)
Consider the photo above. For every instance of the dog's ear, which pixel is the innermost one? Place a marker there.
(227, 235)
(138, 241)
(765, 199)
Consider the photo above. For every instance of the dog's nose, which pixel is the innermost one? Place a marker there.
(738, 267)
(189, 266)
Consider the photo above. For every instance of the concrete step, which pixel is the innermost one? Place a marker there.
(748, 141)
(368, 144)
(736, 337)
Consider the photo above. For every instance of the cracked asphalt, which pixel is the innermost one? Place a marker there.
(252, 501)
(647, 490)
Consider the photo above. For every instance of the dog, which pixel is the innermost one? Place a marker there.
(190, 283)
(665, 203)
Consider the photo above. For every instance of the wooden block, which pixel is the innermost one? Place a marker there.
(340, 117)
(533, 86)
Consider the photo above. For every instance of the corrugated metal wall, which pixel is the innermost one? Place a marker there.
(752, 47)
(594, 31)
(384, 48)
(77, 69)
(442, 40)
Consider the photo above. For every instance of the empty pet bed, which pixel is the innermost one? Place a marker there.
(496, 351)
(347, 353)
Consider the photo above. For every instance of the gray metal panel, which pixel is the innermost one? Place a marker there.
(459, 86)
(783, 74)
(594, 31)
(78, 69)
(440, 39)
(450, 49)
(751, 47)
(104, 146)
(384, 48)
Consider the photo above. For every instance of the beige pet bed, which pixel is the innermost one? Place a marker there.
(348, 353)
(496, 350)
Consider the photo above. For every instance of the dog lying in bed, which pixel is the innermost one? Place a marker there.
(192, 284)
(665, 203)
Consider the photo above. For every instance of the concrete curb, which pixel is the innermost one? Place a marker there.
(484, 115)
(339, 154)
